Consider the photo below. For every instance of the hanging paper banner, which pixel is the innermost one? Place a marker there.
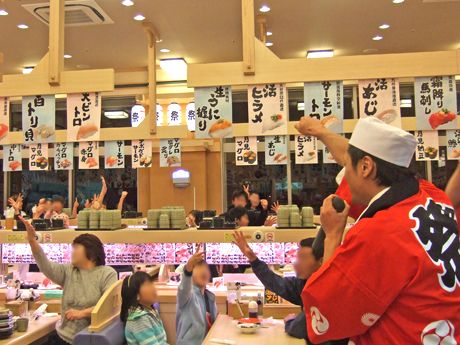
(436, 102)
(380, 98)
(276, 150)
(190, 116)
(268, 113)
(327, 156)
(39, 119)
(63, 156)
(170, 153)
(89, 155)
(323, 101)
(213, 112)
(12, 157)
(38, 157)
(453, 144)
(174, 114)
(4, 119)
(427, 146)
(137, 115)
(141, 151)
(83, 116)
(306, 151)
(246, 150)
(159, 115)
(114, 152)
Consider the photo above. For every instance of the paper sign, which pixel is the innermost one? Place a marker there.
(228, 237)
(190, 116)
(38, 119)
(38, 157)
(427, 146)
(63, 156)
(453, 144)
(436, 102)
(380, 98)
(12, 157)
(327, 156)
(306, 150)
(15, 238)
(114, 152)
(276, 150)
(174, 114)
(141, 153)
(83, 116)
(88, 155)
(246, 150)
(159, 115)
(218, 283)
(269, 237)
(268, 112)
(137, 115)
(323, 101)
(170, 153)
(4, 119)
(213, 112)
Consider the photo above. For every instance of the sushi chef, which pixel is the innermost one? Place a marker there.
(395, 279)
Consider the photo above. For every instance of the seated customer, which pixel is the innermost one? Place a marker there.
(83, 282)
(57, 204)
(239, 215)
(240, 199)
(196, 308)
(307, 263)
(142, 322)
(194, 218)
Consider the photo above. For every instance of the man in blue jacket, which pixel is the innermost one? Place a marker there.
(307, 263)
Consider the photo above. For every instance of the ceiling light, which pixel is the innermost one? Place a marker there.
(173, 65)
(264, 8)
(164, 50)
(300, 106)
(127, 3)
(384, 26)
(320, 54)
(27, 70)
(3, 13)
(67, 56)
(22, 26)
(370, 51)
(398, 1)
(139, 17)
(377, 38)
(269, 33)
(269, 44)
(406, 103)
(83, 66)
(116, 114)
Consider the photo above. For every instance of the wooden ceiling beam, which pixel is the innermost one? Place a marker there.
(249, 62)
(261, 20)
(56, 41)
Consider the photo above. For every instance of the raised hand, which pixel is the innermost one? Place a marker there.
(246, 189)
(241, 243)
(270, 221)
(275, 206)
(30, 230)
(124, 194)
(264, 203)
(195, 258)
(76, 204)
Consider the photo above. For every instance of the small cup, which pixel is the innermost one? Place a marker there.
(22, 324)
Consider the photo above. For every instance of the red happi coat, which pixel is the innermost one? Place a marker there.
(395, 278)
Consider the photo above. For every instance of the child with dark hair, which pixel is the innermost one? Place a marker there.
(57, 204)
(239, 215)
(142, 322)
(195, 217)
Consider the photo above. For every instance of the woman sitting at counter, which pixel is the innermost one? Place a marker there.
(83, 282)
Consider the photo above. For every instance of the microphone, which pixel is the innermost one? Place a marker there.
(318, 243)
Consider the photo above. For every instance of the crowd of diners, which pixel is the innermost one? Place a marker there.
(391, 280)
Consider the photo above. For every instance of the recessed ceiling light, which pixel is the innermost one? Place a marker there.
(67, 56)
(377, 38)
(164, 50)
(3, 13)
(173, 65)
(22, 26)
(264, 8)
(127, 3)
(139, 17)
(320, 54)
(27, 70)
(116, 114)
(398, 1)
(384, 26)
(269, 33)
(269, 44)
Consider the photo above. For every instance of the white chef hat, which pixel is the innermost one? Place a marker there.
(383, 141)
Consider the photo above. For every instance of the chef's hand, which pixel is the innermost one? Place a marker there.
(332, 222)
(195, 258)
(270, 221)
(73, 315)
(264, 203)
(241, 242)
(309, 126)
(289, 317)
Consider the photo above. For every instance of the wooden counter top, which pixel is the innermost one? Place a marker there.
(36, 330)
(224, 328)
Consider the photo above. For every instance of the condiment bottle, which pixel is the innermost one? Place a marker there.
(260, 305)
(253, 310)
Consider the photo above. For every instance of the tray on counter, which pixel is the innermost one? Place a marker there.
(162, 229)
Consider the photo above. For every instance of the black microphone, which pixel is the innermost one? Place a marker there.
(318, 243)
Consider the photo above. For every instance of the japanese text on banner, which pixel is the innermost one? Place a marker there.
(323, 101)
(268, 109)
(12, 157)
(380, 98)
(89, 155)
(436, 102)
(427, 146)
(4, 119)
(174, 114)
(83, 116)
(213, 112)
(38, 157)
(38, 119)
(141, 152)
(114, 154)
(306, 151)
(276, 150)
(170, 153)
(246, 150)
(137, 115)
(190, 116)
(63, 156)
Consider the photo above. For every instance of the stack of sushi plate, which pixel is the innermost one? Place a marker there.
(6, 324)
(178, 218)
(307, 217)
(83, 219)
(153, 217)
(94, 219)
(164, 221)
(285, 220)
